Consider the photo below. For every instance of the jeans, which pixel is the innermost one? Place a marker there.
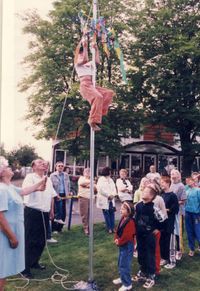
(192, 223)
(125, 263)
(109, 216)
(60, 211)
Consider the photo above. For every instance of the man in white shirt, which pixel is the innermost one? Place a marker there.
(38, 205)
(153, 175)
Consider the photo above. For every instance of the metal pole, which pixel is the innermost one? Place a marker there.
(1, 37)
(92, 141)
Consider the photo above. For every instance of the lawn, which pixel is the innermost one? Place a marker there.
(71, 253)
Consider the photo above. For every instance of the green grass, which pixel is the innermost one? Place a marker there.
(71, 253)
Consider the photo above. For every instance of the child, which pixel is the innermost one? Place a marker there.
(98, 97)
(147, 225)
(192, 215)
(124, 240)
(172, 206)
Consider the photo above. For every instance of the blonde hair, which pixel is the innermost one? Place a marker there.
(177, 173)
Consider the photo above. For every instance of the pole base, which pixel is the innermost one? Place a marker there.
(86, 286)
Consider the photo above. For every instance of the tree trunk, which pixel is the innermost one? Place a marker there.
(187, 152)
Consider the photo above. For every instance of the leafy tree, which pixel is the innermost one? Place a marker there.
(52, 46)
(166, 69)
(22, 156)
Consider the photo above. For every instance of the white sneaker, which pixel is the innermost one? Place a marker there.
(52, 240)
(60, 221)
(117, 281)
(125, 288)
(178, 255)
(170, 266)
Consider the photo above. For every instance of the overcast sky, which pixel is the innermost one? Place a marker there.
(15, 47)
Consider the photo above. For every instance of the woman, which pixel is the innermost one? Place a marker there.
(12, 223)
(178, 188)
(124, 187)
(105, 198)
(138, 193)
(192, 215)
(98, 97)
(84, 198)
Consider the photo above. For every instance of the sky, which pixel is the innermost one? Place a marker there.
(14, 104)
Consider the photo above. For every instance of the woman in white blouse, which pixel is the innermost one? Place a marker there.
(124, 187)
(105, 198)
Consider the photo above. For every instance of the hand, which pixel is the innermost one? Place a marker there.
(51, 215)
(13, 242)
(116, 241)
(156, 231)
(42, 184)
(110, 197)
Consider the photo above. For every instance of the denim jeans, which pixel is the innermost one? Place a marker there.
(109, 216)
(125, 263)
(192, 223)
(60, 211)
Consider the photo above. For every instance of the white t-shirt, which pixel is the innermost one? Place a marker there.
(84, 69)
(40, 200)
(124, 185)
(152, 176)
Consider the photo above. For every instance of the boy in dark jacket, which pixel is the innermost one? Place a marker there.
(148, 222)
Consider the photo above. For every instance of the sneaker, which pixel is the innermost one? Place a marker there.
(163, 262)
(135, 254)
(60, 221)
(149, 283)
(198, 249)
(170, 266)
(191, 253)
(178, 255)
(139, 277)
(117, 281)
(124, 288)
(52, 240)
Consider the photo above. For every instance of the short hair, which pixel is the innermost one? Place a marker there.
(123, 171)
(106, 171)
(166, 179)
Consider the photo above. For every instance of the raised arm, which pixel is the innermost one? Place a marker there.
(82, 57)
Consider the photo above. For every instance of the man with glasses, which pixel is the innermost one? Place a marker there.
(61, 184)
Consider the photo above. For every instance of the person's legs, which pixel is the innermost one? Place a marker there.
(142, 251)
(95, 99)
(165, 245)
(2, 284)
(107, 219)
(172, 249)
(196, 218)
(157, 252)
(190, 230)
(107, 98)
(124, 263)
(150, 254)
(84, 212)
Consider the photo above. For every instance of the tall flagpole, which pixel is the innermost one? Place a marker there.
(1, 37)
(92, 152)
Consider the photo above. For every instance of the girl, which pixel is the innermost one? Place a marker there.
(124, 240)
(147, 225)
(172, 206)
(98, 97)
(192, 215)
(138, 193)
(105, 198)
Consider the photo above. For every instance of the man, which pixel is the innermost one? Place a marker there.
(36, 215)
(61, 184)
(153, 175)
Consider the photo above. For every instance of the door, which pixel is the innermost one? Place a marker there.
(148, 160)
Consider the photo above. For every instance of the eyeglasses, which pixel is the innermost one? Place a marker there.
(60, 166)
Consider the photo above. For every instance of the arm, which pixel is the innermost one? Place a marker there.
(5, 228)
(83, 58)
(97, 57)
(40, 186)
(174, 207)
(52, 209)
(128, 234)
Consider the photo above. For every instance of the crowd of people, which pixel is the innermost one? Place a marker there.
(150, 227)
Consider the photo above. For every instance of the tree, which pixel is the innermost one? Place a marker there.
(166, 69)
(52, 46)
(22, 156)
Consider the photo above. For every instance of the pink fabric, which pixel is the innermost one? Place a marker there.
(99, 98)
